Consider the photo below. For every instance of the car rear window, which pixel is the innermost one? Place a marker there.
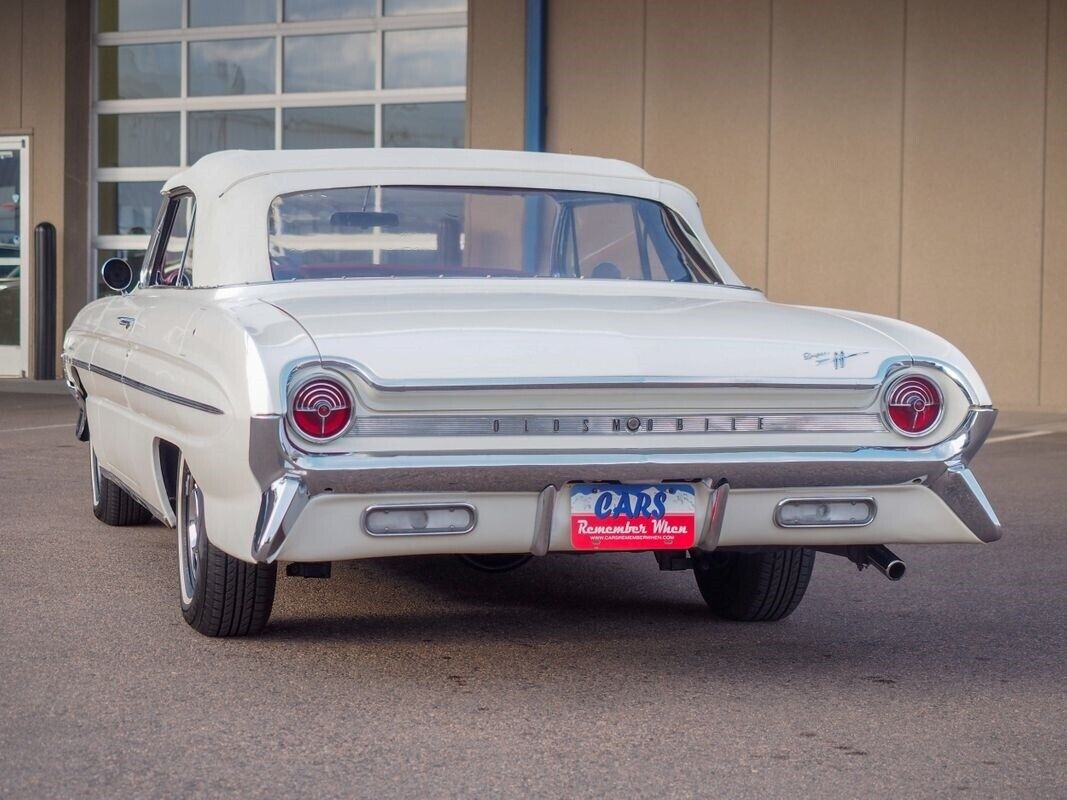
(418, 231)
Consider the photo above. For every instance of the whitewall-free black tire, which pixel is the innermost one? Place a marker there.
(220, 595)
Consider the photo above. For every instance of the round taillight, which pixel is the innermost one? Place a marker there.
(322, 409)
(913, 404)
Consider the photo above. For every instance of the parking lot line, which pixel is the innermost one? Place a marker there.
(1012, 436)
(34, 428)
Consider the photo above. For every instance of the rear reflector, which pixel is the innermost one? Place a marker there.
(818, 512)
(419, 520)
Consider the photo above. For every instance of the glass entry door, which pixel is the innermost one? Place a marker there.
(15, 254)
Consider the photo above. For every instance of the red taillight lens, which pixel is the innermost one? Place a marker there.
(322, 409)
(913, 405)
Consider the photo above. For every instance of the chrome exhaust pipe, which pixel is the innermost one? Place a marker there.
(885, 561)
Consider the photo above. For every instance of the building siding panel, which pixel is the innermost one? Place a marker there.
(496, 60)
(706, 116)
(836, 106)
(11, 67)
(1054, 296)
(973, 161)
(596, 78)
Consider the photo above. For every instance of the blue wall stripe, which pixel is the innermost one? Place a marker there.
(534, 129)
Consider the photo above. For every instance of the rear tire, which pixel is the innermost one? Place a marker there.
(220, 595)
(754, 587)
(112, 504)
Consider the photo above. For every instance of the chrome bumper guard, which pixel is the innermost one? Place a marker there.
(290, 478)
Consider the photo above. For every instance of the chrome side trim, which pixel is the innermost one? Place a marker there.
(710, 532)
(598, 425)
(279, 507)
(143, 387)
(829, 499)
(546, 507)
(423, 507)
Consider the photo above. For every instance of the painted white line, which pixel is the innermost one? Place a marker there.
(1012, 436)
(34, 428)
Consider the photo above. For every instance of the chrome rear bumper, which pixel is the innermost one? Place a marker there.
(288, 477)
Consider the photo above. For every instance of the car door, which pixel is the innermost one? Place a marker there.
(107, 398)
(154, 373)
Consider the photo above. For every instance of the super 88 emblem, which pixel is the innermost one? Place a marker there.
(633, 517)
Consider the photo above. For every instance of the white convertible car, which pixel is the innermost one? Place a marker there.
(348, 354)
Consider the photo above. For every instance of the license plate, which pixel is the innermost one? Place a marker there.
(609, 516)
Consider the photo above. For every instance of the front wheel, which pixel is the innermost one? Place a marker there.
(220, 595)
(764, 586)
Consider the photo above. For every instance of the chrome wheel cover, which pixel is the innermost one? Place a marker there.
(191, 534)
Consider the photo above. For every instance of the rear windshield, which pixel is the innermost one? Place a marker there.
(453, 232)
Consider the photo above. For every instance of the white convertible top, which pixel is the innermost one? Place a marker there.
(218, 172)
(234, 190)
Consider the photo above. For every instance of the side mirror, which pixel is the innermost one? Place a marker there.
(118, 275)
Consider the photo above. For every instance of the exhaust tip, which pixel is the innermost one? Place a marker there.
(885, 561)
(895, 570)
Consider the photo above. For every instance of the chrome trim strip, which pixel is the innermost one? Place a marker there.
(421, 507)
(712, 528)
(825, 499)
(546, 507)
(887, 367)
(143, 387)
(279, 507)
(583, 425)
(960, 491)
(603, 382)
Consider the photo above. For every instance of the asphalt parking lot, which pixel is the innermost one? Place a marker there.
(573, 677)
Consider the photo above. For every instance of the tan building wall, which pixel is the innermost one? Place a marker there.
(904, 157)
(44, 92)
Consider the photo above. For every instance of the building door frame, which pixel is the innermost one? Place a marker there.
(14, 359)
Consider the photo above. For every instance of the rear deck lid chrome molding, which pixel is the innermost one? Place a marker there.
(615, 424)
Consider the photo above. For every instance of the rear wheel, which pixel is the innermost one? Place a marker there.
(754, 587)
(220, 595)
(112, 504)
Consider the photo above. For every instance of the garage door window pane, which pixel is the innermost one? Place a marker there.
(139, 140)
(246, 129)
(297, 10)
(140, 70)
(311, 128)
(423, 125)
(415, 59)
(332, 63)
(423, 6)
(231, 66)
(139, 15)
(204, 13)
(128, 208)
